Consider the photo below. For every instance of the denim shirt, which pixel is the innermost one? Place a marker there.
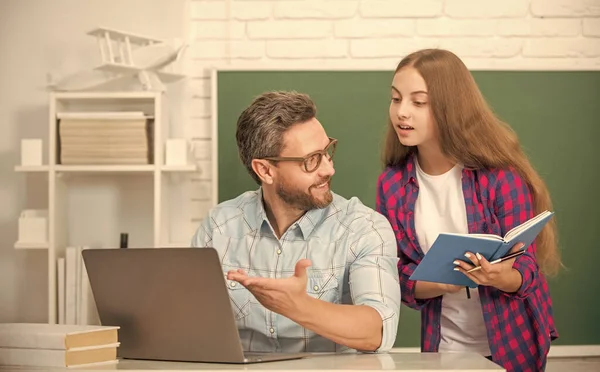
(354, 261)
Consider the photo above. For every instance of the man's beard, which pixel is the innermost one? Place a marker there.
(302, 200)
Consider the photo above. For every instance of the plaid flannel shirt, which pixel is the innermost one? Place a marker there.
(354, 261)
(519, 325)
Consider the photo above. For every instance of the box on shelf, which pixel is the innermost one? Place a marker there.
(176, 152)
(33, 226)
(31, 152)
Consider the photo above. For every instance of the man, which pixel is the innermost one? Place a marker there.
(307, 270)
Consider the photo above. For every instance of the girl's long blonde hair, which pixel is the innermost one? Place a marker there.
(470, 134)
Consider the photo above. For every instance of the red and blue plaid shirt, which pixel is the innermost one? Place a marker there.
(519, 325)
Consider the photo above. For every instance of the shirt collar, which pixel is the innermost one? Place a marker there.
(311, 219)
(306, 223)
(410, 176)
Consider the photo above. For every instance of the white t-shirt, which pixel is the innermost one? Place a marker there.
(440, 207)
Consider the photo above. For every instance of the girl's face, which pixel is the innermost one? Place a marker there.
(410, 112)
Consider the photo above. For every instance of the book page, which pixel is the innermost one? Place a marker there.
(522, 227)
(486, 236)
(479, 236)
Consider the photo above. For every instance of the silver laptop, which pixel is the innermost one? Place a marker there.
(171, 304)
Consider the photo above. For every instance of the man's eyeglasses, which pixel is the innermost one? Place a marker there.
(313, 160)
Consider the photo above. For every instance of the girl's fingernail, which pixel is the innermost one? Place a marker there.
(467, 255)
(478, 256)
(456, 262)
(456, 269)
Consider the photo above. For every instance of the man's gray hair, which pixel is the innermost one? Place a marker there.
(260, 128)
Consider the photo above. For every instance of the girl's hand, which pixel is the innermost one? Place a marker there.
(424, 290)
(451, 288)
(500, 275)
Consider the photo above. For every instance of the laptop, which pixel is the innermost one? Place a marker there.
(171, 304)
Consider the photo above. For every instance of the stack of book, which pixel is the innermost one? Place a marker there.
(57, 345)
(102, 138)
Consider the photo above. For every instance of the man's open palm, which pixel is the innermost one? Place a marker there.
(283, 295)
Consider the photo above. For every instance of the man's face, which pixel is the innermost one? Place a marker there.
(294, 185)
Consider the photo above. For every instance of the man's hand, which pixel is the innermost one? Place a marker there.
(283, 296)
(358, 327)
(500, 275)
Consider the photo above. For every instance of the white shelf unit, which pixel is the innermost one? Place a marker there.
(20, 245)
(157, 176)
(31, 168)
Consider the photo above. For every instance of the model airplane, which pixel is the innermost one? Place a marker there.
(125, 55)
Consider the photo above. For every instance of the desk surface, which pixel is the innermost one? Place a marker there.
(417, 362)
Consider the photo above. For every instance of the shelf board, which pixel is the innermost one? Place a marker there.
(179, 168)
(106, 95)
(105, 168)
(25, 245)
(31, 168)
(107, 115)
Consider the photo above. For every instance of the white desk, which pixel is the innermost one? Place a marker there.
(416, 362)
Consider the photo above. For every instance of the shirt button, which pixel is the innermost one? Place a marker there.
(279, 251)
(271, 330)
(316, 287)
(233, 284)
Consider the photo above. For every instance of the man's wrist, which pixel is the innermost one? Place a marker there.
(301, 311)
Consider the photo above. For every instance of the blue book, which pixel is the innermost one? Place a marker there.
(437, 264)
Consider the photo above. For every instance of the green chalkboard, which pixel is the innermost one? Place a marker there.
(555, 113)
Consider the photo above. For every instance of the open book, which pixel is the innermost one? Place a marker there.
(437, 265)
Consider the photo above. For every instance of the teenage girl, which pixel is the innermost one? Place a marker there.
(452, 166)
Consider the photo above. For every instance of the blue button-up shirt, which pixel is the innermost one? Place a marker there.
(354, 261)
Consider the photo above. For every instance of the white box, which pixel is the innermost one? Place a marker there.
(176, 152)
(31, 151)
(33, 226)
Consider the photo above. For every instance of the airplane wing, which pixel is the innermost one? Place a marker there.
(167, 77)
(116, 34)
(128, 54)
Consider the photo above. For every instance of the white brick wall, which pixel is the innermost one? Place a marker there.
(401, 9)
(315, 9)
(376, 34)
(486, 8)
(290, 29)
(565, 8)
(591, 27)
